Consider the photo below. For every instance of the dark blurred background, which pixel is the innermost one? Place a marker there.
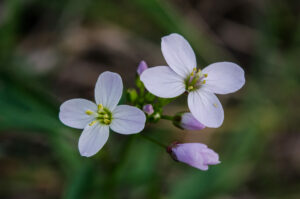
(54, 50)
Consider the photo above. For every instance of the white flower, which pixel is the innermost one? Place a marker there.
(96, 119)
(182, 75)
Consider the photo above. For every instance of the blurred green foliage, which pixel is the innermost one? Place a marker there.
(132, 167)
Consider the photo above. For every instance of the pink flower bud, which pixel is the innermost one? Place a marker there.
(189, 122)
(148, 108)
(186, 120)
(142, 67)
(194, 154)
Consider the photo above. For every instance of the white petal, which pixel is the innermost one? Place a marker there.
(223, 77)
(93, 139)
(163, 82)
(128, 120)
(72, 112)
(206, 108)
(108, 90)
(178, 54)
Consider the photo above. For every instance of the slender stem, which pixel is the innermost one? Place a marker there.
(153, 141)
(167, 117)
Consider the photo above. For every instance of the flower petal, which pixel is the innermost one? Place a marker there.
(72, 112)
(93, 139)
(127, 120)
(108, 90)
(163, 82)
(210, 157)
(206, 108)
(178, 54)
(223, 77)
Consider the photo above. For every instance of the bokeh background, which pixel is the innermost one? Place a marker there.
(54, 50)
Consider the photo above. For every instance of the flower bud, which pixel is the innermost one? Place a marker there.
(194, 154)
(142, 67)
(148, 108)
(132, 95)
(187, 121)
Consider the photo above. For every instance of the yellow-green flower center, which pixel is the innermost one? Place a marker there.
(102, 115)
(195, 80)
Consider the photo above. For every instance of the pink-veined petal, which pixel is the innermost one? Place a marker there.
(206, 108)
(93, 139)
(109, 89)
(223, 77)
(128, 120)
(72, 112)
(163, 82)
(178, 54)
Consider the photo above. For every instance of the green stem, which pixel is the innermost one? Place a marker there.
(153, 141)
(167, 117)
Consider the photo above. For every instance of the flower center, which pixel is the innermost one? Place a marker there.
(103, 115)
(195, 80)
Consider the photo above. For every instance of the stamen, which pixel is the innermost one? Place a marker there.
(89, 112)
(199, 71)
(190, 87)
(215, 105)
(92, 123)
(203, 82)
(205, 75)
(106, 121)
(100, 107)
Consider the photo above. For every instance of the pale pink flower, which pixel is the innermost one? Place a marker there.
(182, 76)
(96, 118)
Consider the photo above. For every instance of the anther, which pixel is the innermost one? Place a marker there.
(89, 112)
(106, 121)
(215, 105)
(190, 88)
(92, 123)
(100, 107)
(205, 75)
(204, 81)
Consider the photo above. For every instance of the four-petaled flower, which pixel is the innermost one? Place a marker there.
(182, 75)
(96, 119)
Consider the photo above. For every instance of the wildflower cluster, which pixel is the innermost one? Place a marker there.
(156, 87)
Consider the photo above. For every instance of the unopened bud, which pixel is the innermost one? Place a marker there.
(148, 108)
(142, 67)
(187, 121)
(194, 154)
(132, 95)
